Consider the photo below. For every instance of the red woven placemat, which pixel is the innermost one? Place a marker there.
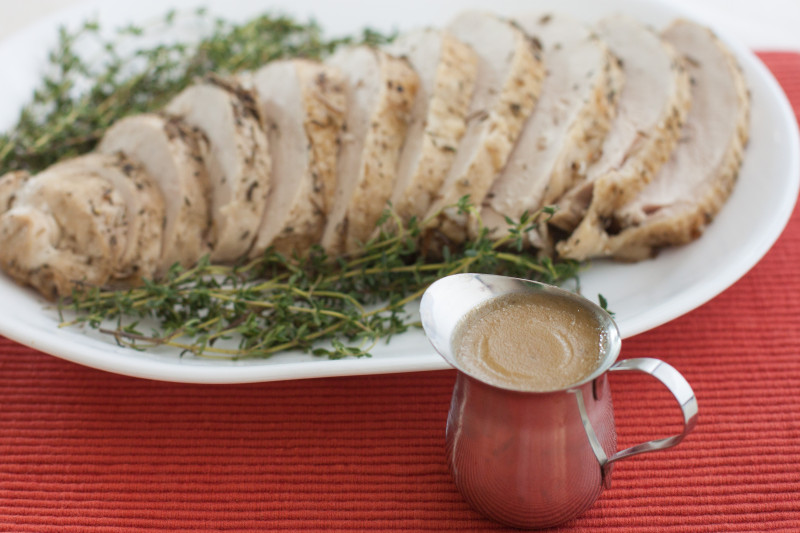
(87, 451)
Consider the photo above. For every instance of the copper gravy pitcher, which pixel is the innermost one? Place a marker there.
(535, 459)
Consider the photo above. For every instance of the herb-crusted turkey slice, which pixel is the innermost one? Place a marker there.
(237, 160)
(380, 92)
(447, 69)
(170, 152)
(507, 86)
(564, 133)
(62, 232)
(144, 218)
(692, 186)
(302, 104)
(652, 109)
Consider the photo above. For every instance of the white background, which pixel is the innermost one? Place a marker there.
(760, 24)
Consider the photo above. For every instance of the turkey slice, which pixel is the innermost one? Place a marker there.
(236, 157)
(170, 151)
(692, 186)
(447, 70)
(144, 209)
(508, 82)
(380, 93)
(652, 108)
(564, 133)
(63, 232)
(302, 104)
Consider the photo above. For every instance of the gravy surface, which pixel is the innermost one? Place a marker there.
(533, 342)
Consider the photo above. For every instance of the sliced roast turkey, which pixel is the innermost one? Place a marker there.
(63, 232)
(380, 93)
(144, 219)
(302, 104)
(171, 152)
(692, 186)
(564, 133)
(447, 70)
(652, 108)
(237, 160)
(508, 81)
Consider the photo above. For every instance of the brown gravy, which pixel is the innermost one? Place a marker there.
(532, 342)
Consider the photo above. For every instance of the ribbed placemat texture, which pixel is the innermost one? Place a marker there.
(87, 451)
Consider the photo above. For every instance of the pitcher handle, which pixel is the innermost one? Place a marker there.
(680, 389)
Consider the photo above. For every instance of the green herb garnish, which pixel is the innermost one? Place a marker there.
(604, 304)
(277, 303)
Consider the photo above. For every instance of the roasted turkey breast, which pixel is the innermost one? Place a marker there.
(509, 78)
(380, 93)
(564, 133)
(692, 186)
(63, 231)
(236, 158)
(447, 70)
(144, 209)
(652, 108)
(171, 152)
(514, 114)
(302, 104)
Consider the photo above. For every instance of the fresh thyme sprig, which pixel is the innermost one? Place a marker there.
(275, 303)
(79, 98)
